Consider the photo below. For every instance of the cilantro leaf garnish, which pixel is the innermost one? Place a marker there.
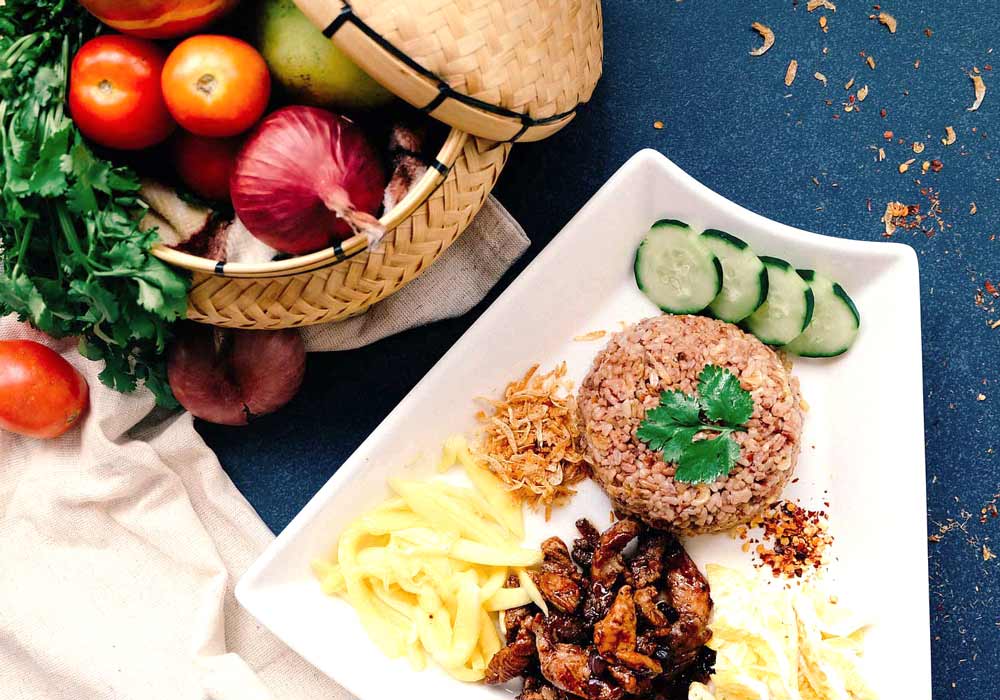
(722, 398)
(666, 437)
(680, 407)
(721, 406)
(704, 461)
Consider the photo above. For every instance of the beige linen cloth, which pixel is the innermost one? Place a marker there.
(120, 542)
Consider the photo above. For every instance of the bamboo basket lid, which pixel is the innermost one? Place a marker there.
(505, 70)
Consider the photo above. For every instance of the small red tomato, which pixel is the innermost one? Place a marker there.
(216, 85)
(41, 395)
(205, 165)
(115, 96)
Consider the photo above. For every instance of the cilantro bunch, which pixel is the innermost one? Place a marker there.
(74, 260)
(721, 406)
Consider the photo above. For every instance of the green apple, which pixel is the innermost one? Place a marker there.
(307, 64)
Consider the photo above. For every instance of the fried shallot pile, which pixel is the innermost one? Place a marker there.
(617, 626)
(530, 440)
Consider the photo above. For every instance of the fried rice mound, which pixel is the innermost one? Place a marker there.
(669, 352)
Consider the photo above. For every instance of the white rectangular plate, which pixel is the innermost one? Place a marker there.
(863, 445)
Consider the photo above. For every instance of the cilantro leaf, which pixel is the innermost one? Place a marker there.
(98, 297)
(721, 406)
(156, 381)
(722, 398)
(91, 351)
(654, 433)
(666, 437)
(47, 179)
(21, 296)
(704, 461)
(49, 84)
(125, 254)
(670, 426)
(162, 291)
(117, 374)
(89, 174)
(680, 443)
(680, 407)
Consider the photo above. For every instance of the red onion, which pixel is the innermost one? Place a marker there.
(233, 376)
(305, 177)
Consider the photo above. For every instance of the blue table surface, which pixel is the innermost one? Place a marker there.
(730, 121)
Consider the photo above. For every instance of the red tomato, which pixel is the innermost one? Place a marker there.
(41, 395)
(205, 165)
(216, 85)
(158, 19)
(114, 92)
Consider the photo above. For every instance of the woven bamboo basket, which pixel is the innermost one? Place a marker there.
(496, 71)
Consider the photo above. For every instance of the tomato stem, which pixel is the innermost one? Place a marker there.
(206, 84)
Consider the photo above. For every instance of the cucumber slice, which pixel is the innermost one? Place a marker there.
(835, 321)
(676, 270)
(744, 279)
(788, 308)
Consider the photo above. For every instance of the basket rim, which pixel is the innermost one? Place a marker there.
(425, 89)
(341, 251)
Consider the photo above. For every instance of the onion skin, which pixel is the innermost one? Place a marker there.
(307, 177)
(231, 377)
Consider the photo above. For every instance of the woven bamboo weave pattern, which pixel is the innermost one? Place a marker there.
(537, 57)
(347, 289)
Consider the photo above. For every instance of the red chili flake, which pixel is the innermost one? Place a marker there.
(928, 32)
(987, 67)
(991, 289)
(936, 165)
(887, 135)
(794, 540)
(851, 98)
(882, 112)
